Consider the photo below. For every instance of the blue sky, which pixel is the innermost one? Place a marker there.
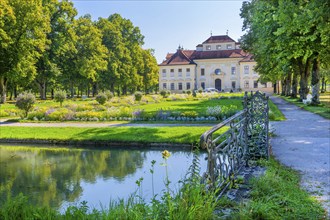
(168, 24)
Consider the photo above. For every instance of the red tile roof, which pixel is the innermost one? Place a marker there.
(185, 57)
(219, 39)
(181, 57)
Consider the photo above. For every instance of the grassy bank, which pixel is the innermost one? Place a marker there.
(277, 195)
(180, 135)
(323, 109)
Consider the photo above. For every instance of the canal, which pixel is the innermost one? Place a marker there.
(62, 176)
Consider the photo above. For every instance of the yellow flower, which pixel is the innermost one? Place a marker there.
(166, 154)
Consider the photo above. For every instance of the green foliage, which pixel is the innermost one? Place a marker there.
(138, 96)
(25, 101)
(188, 92)
(277, 195)
(109, 94)
(163, 93)
(175, 134)
(60, 96)
(190, 114)
(101, 98)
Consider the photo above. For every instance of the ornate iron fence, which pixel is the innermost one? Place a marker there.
(231, 143)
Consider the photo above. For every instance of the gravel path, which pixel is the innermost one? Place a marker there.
(302, 142)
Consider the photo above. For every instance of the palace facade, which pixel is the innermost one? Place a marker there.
(218, 62)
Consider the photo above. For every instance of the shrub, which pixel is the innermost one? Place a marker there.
(200, 90)
(188, 92)
(37, 114)
(101, 98)
(61, 114)
(163, 93)
(138, 96)
(184, 92)
(214, 111)
(109, 94)
(60, 96)
(190, 114)
(89, 115)
(25, 102)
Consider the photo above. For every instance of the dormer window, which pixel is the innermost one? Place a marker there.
(218, 47)
(208, 47)
(229, 46)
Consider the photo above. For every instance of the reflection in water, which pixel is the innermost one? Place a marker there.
(59, 177)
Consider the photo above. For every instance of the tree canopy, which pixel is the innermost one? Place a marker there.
(289, 40)
(45, 47)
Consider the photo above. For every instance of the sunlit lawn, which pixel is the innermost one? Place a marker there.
(181, 135)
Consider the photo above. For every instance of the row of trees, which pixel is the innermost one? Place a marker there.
(290, 42)
(44, 46)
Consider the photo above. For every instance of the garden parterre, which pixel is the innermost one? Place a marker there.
(174, 107)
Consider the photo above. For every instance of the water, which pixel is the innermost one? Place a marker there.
(60, 176)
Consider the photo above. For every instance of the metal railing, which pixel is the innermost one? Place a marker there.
(236, 140)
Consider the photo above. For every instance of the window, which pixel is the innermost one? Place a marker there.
(229, 46)
(203, 85)
(172, 86)
(208, 47)
(188, 85)
(255, 84)
(180, 73)
(172, 73)
(264, 85)
(164, 72)
(202, 72)
(164, 86)
(218, 47)
(233, 70)
(188, 72)
(180, 86)
(246, 69)
(233, 85)
(246, 84)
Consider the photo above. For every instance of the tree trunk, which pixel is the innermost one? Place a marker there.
(288, 85)
(52, 93)
(72, 90)
(284, 81)
(42, 89)
(3, 92)
(304, 74)
(323, 84)
(94, 86)
(294, 84)
(15, 92)
(316, 82)
(274, 87)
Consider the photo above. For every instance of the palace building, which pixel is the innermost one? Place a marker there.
(218, 62)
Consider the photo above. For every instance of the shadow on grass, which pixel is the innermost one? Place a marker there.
(140, 135)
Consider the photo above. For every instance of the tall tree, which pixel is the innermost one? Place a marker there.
(89, 59)
(60, 40)
(288, 36)
(23, 28)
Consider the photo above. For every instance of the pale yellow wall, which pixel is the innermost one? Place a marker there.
(176, 79)
(210, 65)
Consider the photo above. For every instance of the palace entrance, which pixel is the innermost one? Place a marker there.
(217, 84)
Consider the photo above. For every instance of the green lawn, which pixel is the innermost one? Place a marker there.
(323, 109)
(180, 135)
